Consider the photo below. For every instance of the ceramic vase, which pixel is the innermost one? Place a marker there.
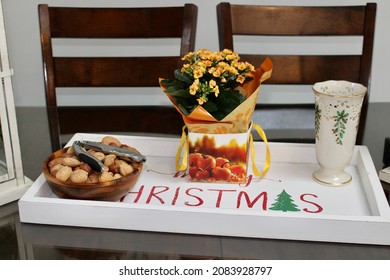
(337, 112)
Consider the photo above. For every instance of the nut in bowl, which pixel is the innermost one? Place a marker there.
(69, 174)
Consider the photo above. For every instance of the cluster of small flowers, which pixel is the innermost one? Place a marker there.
(211, 71)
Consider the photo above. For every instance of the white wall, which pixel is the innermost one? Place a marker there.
(21, 22)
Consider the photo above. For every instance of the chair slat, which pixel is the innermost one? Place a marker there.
(120, 119)
(309, 69)
(116, 22)
(113, 71)
(308, 21)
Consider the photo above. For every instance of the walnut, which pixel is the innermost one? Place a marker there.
(54, 162)
(72, 162)
(55, 168)
(68, 155)
(64, 173)
(114, 168)
(85, 166)
(93, 178)
(109, 159)
(79, 176)
(109, 140)
(124, 167)
(99, 155)
(106, 177)
(117, 176)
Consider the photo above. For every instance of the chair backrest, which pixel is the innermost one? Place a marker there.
(293, 21)
(112, 71)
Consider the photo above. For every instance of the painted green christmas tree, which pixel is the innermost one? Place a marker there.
(284, 203)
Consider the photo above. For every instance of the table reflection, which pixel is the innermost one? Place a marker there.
(48, 242)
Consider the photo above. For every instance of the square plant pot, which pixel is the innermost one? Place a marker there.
(218, 158)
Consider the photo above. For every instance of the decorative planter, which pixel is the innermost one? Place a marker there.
(218, 157)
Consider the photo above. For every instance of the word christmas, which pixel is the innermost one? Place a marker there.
(224, 196)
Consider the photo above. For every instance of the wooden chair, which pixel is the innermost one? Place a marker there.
(98, 72)
(286, 21)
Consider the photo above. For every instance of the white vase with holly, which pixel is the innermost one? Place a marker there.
(337, 112)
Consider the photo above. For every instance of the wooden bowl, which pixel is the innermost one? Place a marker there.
(105, 191)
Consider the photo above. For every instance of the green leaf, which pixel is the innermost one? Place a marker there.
(183, 77)
(175, 91)
(231, 98)
(182, 93)
(224, 104)
(210, 107)
(184, 110)
(186, 105)
(168, 82)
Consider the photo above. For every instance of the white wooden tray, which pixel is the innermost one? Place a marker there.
(164, 201)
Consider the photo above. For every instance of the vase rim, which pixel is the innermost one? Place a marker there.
(339, 88)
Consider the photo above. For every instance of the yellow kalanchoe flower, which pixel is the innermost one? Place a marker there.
(210, 79)
(198, 72)
(185, 66)
(188, 56)
(233, 70)
(216, 91)
(194, 87)
(208, 63)
(204, 54)
(212, 83)
(250, 66)
(201, 100)
(240, 79)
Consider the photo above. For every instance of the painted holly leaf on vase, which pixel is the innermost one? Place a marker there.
(317, 120)
(339, 127)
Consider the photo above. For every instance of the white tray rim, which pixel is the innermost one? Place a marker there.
(374, 229)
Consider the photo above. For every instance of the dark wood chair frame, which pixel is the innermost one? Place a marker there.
(111, 23)
(305, 21)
